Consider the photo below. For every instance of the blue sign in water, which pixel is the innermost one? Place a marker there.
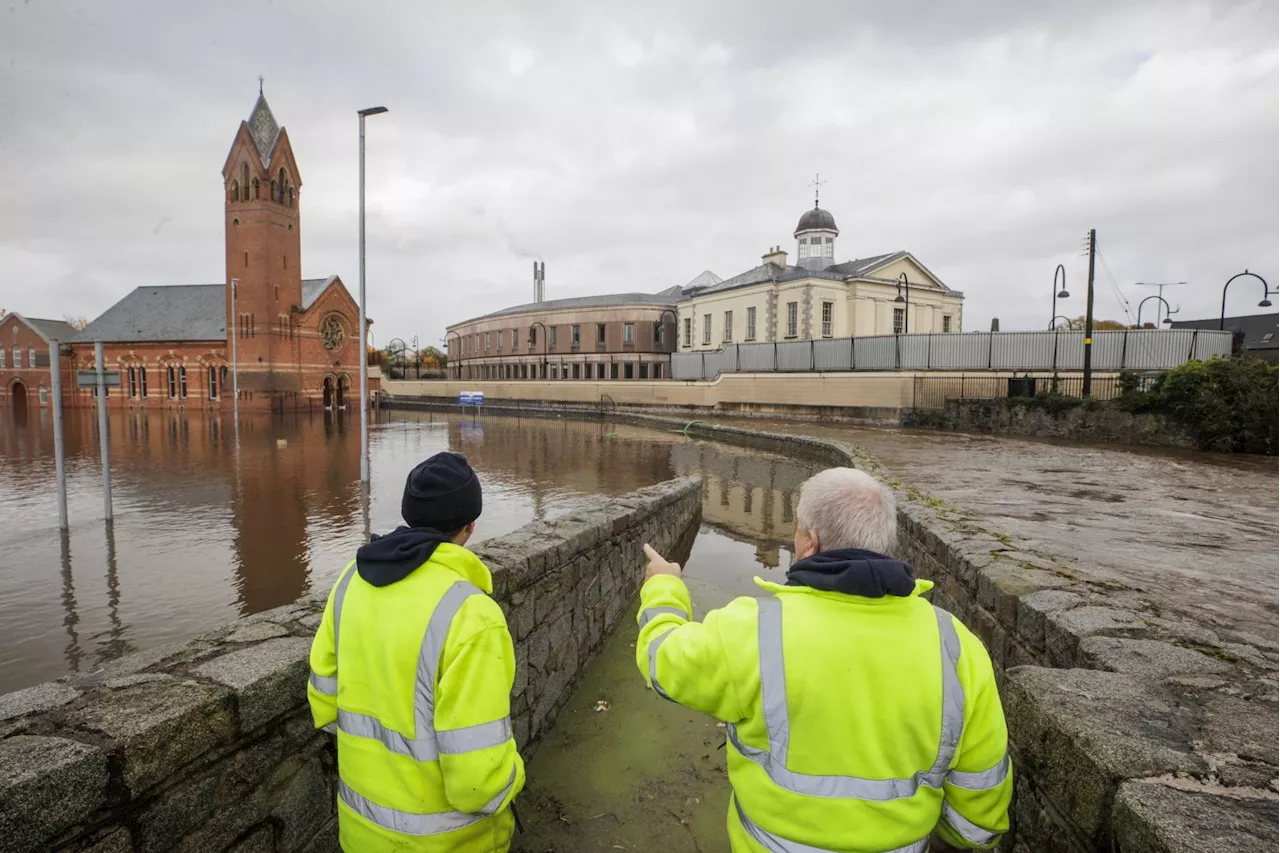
(470, 398)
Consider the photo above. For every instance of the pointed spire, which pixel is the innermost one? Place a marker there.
(263, 126)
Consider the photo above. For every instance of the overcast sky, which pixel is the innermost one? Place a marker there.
(632, 145)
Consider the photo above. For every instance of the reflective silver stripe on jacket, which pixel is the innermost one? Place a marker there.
(982, 780)
(427, 744)
(778, 844)
(968, 829)
(646, 615)
(327, 686)
(773, 692)
(654, 645)
(416, 823)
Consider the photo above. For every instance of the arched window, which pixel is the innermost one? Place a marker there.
(31, 357)
(142, 376)
(256, 193)
(213, 382)
(291, 196)
(284, 182)
(275, 191)
(173, 383)
(244, 175)
(182, 381)
(234, 194)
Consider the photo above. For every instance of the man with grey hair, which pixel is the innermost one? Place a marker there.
(861, 718)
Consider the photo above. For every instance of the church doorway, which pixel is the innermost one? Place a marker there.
(328, 393)
(344, 390)
(19, 396)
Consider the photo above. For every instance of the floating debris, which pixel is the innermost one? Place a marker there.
(602, 705)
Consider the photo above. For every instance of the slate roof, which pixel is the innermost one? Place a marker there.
(312, 288)
(670, 296)
(182, 312)
(706, 278)
(1260, 330)
(777, 272)
(264, 129)
(55, 329)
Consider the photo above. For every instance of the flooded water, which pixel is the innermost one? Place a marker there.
(1194, 532)
(203, 534)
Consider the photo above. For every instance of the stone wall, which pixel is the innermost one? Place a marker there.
(208, 746)
(1132, 731)
(1100, 423)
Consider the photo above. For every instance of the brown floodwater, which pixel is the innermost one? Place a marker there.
(203, 533)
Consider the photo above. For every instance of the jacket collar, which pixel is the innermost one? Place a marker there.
(852, 572)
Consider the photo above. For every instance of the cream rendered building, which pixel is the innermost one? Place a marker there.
(816, 297)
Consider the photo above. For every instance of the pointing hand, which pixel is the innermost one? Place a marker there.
(658, 565)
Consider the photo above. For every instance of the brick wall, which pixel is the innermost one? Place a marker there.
(208, 746)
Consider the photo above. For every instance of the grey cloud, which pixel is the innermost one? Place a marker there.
(631, 146)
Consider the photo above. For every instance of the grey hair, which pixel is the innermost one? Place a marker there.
(848, 508)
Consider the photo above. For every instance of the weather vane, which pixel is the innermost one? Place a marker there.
(817, 185)
(260, 80)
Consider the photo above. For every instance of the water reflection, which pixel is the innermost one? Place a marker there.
(206, 529)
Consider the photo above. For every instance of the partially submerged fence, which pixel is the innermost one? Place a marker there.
(1133, 349)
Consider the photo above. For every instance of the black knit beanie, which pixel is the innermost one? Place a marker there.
(442, 493)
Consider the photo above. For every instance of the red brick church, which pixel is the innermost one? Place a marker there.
(296, 341)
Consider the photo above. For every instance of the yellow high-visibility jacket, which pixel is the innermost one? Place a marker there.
(855, 724)
(417, 677)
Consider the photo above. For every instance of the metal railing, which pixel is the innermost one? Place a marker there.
(933, 392)
(1133, 349)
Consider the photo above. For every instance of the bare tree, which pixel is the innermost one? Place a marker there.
(77, 323)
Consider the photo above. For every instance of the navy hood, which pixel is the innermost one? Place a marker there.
(391, 558)
(854, 571)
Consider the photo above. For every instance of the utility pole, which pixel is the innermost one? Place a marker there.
(1088, 317)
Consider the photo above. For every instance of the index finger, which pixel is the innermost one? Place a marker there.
(650, 553)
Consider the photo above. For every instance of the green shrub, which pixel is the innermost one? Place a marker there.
(1227, 404)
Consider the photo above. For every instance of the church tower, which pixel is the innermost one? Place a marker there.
(263, 228)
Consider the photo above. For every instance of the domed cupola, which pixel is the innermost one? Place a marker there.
(816, 237)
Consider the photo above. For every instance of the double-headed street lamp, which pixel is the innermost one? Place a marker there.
(1167, 309)
(1266, 292)
(364, 330)
(1059, 294)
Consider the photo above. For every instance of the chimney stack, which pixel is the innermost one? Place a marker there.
(775, 255)
(539, 281)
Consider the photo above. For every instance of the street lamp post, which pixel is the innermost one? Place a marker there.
(1056, 318)
(904, 286)
(450, 356)
(235, 363)
(657, 330)
(364, 331)
(1266, 292)
(1167, 309)
(544, 346)
(1059, 294)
